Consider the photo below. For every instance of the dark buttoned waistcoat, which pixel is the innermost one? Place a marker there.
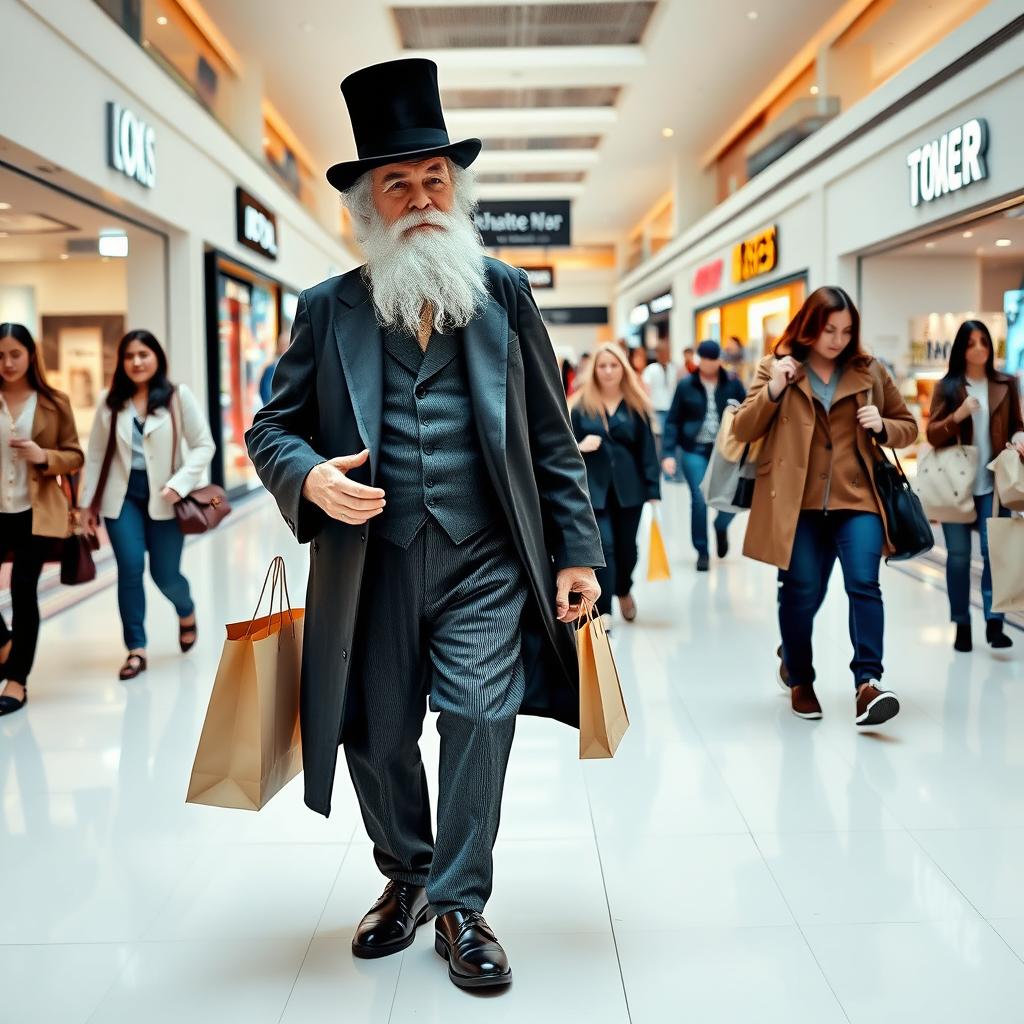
(431, 463)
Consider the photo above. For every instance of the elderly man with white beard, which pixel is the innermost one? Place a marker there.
(418, 437)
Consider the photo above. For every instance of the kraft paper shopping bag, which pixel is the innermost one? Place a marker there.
(1006, 555)
(657, 556)
(603, 717)
(250, 747)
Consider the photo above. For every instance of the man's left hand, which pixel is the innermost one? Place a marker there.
(582, 581)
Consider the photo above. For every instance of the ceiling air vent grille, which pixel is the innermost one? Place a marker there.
(544, 142)
(555, 24)
(528, 177)
(570, 96)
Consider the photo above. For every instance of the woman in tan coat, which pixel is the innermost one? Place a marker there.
(822, 407)
(974, 404)
(38, 443)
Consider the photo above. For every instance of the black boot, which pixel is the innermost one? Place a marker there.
(995, 636)
(963, 641)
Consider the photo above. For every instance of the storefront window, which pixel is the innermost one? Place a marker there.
(247, 344)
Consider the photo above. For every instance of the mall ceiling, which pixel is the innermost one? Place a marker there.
(570, 98)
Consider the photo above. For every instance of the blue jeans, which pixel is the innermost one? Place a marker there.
(132, 534)
(694, 466)
(856, 539)
(958, 563)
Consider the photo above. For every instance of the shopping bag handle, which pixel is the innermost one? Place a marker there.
(277, 577)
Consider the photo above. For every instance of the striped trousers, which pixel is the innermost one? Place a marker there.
(440, 619)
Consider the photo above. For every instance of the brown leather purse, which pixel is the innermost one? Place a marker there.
(76, 564)
(204, 508)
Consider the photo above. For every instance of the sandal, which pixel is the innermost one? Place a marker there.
(187, 645)
(8, 705)
(134, 665)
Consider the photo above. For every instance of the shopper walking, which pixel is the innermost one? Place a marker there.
(134, 475)
(976, 405)
(692, 425)
(611, 418)
(659, 380)
(822, 407)
(38, 443)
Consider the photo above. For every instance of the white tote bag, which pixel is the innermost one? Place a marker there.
(945, 483)
(1008, 469)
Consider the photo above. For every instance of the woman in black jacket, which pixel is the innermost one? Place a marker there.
(611, 418)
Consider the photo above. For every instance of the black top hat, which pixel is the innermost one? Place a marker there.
(396, 115)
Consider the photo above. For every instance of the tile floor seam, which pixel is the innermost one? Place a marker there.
(764, 861)
(316, 928)
(966, 898)
(608, 905)
(394, 995)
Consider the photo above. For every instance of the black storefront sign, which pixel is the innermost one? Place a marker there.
(577, 315)
(540, 277)
(256, 225)
(523, 222)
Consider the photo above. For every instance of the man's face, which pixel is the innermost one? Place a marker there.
(662, 352)
(405, 188)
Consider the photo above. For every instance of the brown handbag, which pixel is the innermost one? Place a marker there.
(205, 507)
(76, 564)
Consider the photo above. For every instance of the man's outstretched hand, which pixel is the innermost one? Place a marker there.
(329, 487)
(581, 581)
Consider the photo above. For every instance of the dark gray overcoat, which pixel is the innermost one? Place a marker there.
(327, 400)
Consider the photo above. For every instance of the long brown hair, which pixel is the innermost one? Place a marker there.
(36, 374)
(588, 395)
(809, 324)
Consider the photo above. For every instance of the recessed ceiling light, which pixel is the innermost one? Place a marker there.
(814, 90)
(3, 234)
(5, 206)
(64, 256)
(306, 26)
(667, 133)
(968, 234)
(146, 44)
(752, 15)
(1003, 242)
(162, 20)
(929, 245)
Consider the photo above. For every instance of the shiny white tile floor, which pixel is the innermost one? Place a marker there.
(731, 864)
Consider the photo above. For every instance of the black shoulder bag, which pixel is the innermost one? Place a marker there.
(909, 529)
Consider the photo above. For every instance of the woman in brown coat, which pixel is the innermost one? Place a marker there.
(38, 443)
(822, 406)
(974, 404)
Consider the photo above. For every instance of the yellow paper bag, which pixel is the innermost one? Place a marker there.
(657, 558)
(250, 746)
(603, 717)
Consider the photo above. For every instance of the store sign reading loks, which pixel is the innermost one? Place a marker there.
(131, 145)
(948, 163)
(522, 222)
(257, 226)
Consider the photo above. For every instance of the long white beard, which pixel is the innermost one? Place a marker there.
(442, 268)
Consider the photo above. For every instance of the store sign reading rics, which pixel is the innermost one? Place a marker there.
(755, 256)
(131, 145)
(948, 163)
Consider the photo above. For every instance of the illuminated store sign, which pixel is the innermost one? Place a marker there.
(523, 222)
(540, 277)
(948, 163)
(755, 256)
(708, 278)
(131, 145)
(256, 225)
(661, 303)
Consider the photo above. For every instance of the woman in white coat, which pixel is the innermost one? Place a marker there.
(136, 423)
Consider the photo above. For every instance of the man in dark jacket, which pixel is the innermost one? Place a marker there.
(418, 436)
(692, 425)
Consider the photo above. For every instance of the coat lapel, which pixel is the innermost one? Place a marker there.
(45, 409)
(997, 392)
(854, 380)
(154, 419)
(486, 339)
(360, 344)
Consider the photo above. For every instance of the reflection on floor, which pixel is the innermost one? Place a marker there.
(732, 864)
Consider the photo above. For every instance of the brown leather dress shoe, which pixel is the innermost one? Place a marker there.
(804, 701)
(390, 924)
(475, 957)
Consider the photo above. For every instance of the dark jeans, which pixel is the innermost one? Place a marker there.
(856, 539)
(618, 525)
(958, 563)
(695, 465)
(29, 551)
(132, 534)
